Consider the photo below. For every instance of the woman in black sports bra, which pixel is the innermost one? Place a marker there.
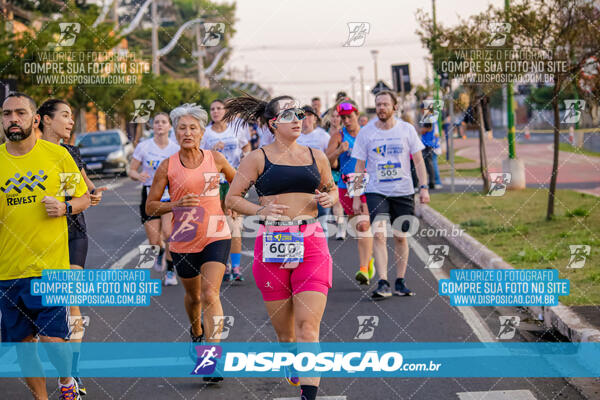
(292, 264)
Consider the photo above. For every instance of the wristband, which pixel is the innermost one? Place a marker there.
(260, 209)
(68, 209)
(423, 187)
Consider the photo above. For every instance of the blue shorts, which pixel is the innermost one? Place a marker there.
(24, 315)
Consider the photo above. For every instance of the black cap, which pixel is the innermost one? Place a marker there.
(310, 110)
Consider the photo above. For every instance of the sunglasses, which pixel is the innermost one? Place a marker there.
(287, 116)
(345, 107)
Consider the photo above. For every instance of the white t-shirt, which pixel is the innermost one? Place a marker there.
(233, 139)
(150, 155)
(387, 153)
(317, 139)
(265, 136)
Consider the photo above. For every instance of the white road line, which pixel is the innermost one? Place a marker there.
(113, 186)
(248, 253)
(128, 257)
(472, 317)
(497, 395)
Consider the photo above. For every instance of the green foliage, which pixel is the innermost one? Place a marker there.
(172, 88)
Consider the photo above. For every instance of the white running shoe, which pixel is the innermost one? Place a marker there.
(341, 231)
(170, 279)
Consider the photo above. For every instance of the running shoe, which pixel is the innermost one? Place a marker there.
(82, 389)
(289, 376)
(212, 379)
(158, 265)
(195, 341)
(236, 276)
(227, 276)
(362, 278)
(383, 290)
(170, 279)
(341, 231)
(69, 392)
(371, 268)
(401, 289)
(159, 258)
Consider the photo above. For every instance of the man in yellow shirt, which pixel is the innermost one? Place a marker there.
(34, 175)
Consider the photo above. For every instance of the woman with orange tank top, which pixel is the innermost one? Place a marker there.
(200, 240)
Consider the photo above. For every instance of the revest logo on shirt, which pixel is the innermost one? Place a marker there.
(28, 181)
(19, 183)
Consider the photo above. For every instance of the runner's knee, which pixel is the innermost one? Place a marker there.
(194, 298)
(210, 297)
(363, 226)
(307, 331)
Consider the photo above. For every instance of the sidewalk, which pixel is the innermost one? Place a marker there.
(578, 172)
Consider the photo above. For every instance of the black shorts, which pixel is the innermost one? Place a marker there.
(145, 217)
(78, 248)
(188, 264)
(394, 207)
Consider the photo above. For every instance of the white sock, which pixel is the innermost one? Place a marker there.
(65, 385)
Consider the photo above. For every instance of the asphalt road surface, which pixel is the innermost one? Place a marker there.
(115, 232)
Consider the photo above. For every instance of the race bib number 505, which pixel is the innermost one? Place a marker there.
(283, 247)
(389, 172)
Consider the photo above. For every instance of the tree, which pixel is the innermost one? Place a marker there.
(568, 27)
(442, 43)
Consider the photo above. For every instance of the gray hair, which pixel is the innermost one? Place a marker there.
(192, 110)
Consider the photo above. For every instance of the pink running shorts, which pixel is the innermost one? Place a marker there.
(313, 274)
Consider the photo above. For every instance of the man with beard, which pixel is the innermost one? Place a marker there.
(385, 146)
(34, 237)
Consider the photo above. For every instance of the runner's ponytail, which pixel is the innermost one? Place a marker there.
(248, 109)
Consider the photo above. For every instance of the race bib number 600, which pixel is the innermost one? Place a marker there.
(283, 247)
(389, 172)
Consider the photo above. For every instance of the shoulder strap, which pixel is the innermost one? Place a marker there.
(266, 158)
(312, 155)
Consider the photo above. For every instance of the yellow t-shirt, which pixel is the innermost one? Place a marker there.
(30, 240)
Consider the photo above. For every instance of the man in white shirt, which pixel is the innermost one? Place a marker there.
(312, 135)
(385, 147)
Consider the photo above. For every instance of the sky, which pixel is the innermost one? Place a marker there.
(295, 48)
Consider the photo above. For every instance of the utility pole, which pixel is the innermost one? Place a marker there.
(510, 106)
(362, 88)
(352, 81)
(436, 77)
(155, 58)
(200, 57)
(115, 6)
(512, 165)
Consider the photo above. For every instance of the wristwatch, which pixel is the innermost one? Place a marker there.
(423, 187)
(69, 209)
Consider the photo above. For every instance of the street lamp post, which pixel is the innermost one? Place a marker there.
(375, 53)
(352, 80)
(155, 58)
(362, 87)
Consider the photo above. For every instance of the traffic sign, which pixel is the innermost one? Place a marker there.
(401, 77)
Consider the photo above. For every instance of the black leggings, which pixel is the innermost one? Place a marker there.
(188, 264)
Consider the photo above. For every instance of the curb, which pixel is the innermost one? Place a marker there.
(559, 317)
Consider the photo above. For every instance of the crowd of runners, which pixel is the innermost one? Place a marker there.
(196, 171)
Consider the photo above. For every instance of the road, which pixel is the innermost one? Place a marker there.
(114, 230)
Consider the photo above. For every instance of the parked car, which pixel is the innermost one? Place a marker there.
(105, 152)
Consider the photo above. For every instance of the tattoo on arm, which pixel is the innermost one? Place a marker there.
(328, 187)
(245, 191)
